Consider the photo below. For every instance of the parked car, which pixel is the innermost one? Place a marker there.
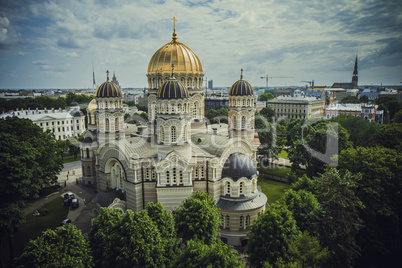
(64, 222)
(74, 203)
(69, 196)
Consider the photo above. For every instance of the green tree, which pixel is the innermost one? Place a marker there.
(350, 99)
(266, 133)
(165, 222)
(303, 204)
(63, 247)
(215, 116)
(27, 163)
(304, 183)
(379, 188)
(389, 136)
(360, 130)
(338, 221)
(270, 236)
(266, 97)
(197, 254)
(74, 150)
(315, 137)
(364, 99)
(103, 235)
(198, 218)
(397, 117)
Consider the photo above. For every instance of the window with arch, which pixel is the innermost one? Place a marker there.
(87, 152)
(107, 124)
(247, 221)
(228, 187)
(244, 102)
(105, 104)
(174, 175)
(234, 122)
(243, 122)
(241, 222)
(227, 222)
(173, 133)
(167, 177)
(241, 187)
(179, 107)
(181, 176)
(161, 134)
(116, 124)
(185, 134)
(195, 109)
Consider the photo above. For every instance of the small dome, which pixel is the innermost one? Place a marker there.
(74, 103)
(108, 89)
(183, 58)
(239, 165)
(172, 89)
(241, 88)
(92, 105)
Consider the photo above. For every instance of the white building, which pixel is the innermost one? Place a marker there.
(62, 123)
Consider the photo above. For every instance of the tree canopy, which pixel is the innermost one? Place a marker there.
(63, 247)
(271, 235)
(266, 96)
(197, 254)
(215, 116)
(198, 218)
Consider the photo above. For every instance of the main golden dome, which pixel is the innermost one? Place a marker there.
(184, 59)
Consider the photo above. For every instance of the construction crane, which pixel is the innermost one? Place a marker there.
(266, 77)
(311, 83)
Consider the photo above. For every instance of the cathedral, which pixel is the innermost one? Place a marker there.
(177, 152)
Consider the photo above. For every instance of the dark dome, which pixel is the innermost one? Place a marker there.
(108, 90)
(241, 88)
(87, 140)
(239, 165)
(74, 103)
(172, 89)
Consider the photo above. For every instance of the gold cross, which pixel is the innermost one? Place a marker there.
(107, 73)
(174, 23)
(241, 75)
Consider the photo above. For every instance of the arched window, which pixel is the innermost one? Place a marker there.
(195, 110)
(174, 134)
(241, 222)
(241, 187)
(227, 222)
(179, 108)
(167, 177)
(244, 102)
(234, 122)
(243, 122)
(105, 104)
(107, 124)
(174, 175)
(248, 102)
(116, 124)
(87, 152)
(161, 135)
(181, 176)
(247, 221)
(228, 187)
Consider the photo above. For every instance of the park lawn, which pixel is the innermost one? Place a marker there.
(276, 170)
(272, 189)
(34, 226)
(283, 154)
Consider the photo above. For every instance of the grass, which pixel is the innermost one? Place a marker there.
(275, 170)
(69, 160)
(34, 226)
(272, 189)
(283, 154)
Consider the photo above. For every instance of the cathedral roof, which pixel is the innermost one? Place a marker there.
(239, 165)
(108, 89)
(172, 89)
(241, 88)
(240, 204)
(174, 52)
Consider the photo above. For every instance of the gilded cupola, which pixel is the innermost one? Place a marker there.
(108, 89)
(241, 87)
(174, 52)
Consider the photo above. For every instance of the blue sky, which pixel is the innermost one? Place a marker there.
(52, 44)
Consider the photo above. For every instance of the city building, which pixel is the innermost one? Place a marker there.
(62, 123)
(296, 106)
(176, 153)
(216, 103)
(367, 111)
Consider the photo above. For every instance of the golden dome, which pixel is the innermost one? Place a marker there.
(184, 59)
(92, 105)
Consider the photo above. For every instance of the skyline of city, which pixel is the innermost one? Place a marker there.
(53, 44)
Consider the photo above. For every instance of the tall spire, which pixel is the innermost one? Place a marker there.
(355, 78)
(174, 29)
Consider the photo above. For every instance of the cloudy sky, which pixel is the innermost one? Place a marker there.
(52, 44)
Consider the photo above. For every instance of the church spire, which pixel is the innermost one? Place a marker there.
(354, 77)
